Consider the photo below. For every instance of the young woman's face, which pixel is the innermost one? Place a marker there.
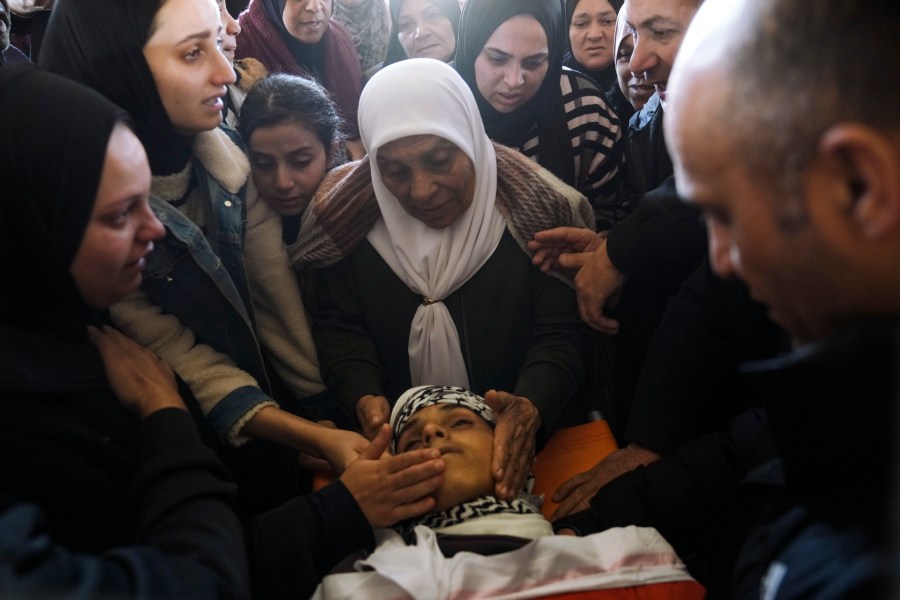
(637, 90)
(591, 33)
(424, 31)
(431, 177)
(635, 87)
(307, 20)
(512, 64)
(289, 162)
(121, 228)
(466, 443)
(189, 68)
(230, 30)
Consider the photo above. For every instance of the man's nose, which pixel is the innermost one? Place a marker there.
(642, 57)
(433, 432)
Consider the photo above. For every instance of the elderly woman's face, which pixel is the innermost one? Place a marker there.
(512, 65)
(424, 31)
(307, 20)
(433, 179)
(591, 33)
(120, 232)
(466, 444)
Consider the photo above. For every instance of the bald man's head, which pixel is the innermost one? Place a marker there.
(782, 126)
(792, 68)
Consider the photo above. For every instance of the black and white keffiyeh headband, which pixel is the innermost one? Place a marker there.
(415, 399)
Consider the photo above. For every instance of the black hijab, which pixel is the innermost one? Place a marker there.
(395, 52)
(55, 133)
(479, 20)
(100, 43)
(606, 77)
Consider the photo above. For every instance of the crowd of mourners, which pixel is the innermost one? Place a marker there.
(293, 292)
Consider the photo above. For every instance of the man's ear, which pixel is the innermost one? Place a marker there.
(869, 162)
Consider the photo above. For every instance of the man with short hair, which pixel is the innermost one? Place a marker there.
(800, 187)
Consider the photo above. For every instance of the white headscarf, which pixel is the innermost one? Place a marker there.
(416, 97)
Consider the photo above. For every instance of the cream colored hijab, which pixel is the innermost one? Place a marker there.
(416, 97)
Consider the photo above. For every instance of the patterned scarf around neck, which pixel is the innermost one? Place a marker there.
(344, 209)
(467, 511)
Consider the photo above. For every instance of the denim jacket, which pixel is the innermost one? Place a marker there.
(201, 280)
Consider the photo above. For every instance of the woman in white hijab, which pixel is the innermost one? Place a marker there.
(431, 281)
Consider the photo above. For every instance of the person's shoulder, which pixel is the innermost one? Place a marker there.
(647, 114)
(585, 103)
(579, 90)
(339, 31)
(573, 80)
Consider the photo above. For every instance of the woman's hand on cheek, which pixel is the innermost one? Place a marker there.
(517, 423)
(390, 489)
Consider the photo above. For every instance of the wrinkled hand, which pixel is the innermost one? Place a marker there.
(549, 244)
(575, 494)
(140, 380)
(597, 284)
(391, 489)
(372, 412)
(517, 423)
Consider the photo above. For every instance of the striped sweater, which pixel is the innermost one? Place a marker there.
(596, 145)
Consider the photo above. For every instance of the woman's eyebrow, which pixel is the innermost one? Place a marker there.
(200, 35)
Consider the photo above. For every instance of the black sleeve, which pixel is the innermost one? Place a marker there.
(554, 368)
(189, 542)
(685, 494)
(688, 383)
(662, 230)
(347, 356)
(293, 546)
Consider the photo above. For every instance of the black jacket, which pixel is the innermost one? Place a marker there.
(98, 504)
(795, 493)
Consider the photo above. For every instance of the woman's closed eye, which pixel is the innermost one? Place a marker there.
(532, 64)
(439, 160)
(262, 164)
(434, 15)
(193, 54)
(393, 169)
